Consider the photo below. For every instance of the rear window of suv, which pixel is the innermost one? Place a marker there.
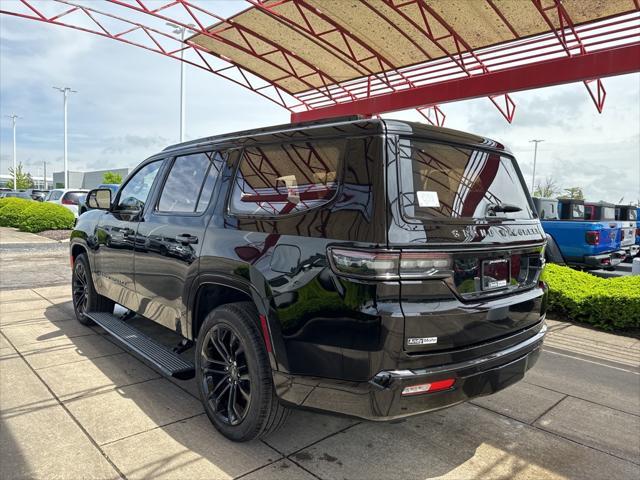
(74, 198)
(287, 178)
(440, 181)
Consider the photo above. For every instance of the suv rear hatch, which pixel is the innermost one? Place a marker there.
(470, 206)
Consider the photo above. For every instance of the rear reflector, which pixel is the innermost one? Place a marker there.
(265, 333)
(429, 387)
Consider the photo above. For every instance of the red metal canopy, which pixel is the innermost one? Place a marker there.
(325, 58)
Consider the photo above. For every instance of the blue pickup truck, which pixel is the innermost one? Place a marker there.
(576, 241)
(627, 216)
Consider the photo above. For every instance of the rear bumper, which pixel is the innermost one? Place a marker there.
(632, 250)
(382, 399)
(610, 259)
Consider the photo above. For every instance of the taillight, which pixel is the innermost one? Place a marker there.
(429, 387)
(592, 237)
(389, 265)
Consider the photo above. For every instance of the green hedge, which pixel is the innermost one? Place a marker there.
(32, 216)
(11, 210)
(607, 303)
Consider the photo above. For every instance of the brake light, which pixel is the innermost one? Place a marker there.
(389, 265)
(429, 387)
(592, 237)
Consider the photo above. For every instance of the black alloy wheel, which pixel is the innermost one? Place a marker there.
(225, 375)
(83, 293)
(80, 288)
(234, 374)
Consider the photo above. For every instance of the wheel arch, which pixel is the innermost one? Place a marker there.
(211, 291)
(552, 252)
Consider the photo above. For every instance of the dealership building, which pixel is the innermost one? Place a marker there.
(86, 180)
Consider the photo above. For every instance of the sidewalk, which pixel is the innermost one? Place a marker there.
(12, 236)
(75, 405)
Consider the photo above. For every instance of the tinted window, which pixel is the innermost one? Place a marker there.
(577, 211)
(286, 178)
(73, 198)
(134, 194)
(440, 181)
(190, 183)
(55, 195)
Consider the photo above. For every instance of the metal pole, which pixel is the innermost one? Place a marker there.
(183, 80)
(15, 171)
(183, 88)
(65, 93)
(66, 159)
(535, 158)
(44, 174)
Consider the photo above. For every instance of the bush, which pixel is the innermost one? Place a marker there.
(41, 216)
(11, 210)
(607, 303)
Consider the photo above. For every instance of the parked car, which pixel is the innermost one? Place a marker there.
(37, 194)
(588, 244)
(68, 197)
(15, 194)
(111, 186)
(626, 216)
(373, 268)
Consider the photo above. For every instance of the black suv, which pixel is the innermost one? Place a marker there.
(373, 268)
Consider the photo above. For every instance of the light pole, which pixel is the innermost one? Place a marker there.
(14, 119)
(183, 79)
(535, 157)
(65, 92)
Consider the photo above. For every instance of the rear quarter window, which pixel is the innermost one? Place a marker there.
(273, 180)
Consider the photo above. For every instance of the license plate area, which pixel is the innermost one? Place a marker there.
(496, 274)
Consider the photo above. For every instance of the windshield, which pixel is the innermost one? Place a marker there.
(446, 181)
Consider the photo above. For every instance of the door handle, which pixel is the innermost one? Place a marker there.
(186, 239)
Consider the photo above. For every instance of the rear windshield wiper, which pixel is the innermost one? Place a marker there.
(492, 210)
(503, 207)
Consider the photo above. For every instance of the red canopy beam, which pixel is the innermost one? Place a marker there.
(603, 63)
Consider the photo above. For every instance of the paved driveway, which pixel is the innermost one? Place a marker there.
(74, 405)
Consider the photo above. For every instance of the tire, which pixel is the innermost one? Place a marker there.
(83, 293)
(237, 365)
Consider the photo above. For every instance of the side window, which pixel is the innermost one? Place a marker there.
(190, 183)
(287, 178)
(133, 195)
(55, 195)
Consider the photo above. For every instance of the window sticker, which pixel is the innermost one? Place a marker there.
(428, 199)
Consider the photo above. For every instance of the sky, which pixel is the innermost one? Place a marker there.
(127, 108)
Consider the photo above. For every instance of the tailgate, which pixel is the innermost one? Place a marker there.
(487, 295)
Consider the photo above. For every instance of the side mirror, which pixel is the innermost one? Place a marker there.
(99, 199)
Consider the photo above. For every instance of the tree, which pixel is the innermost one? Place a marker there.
(112, 177)
(548, 189)
(573, 192)
(23, 180)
